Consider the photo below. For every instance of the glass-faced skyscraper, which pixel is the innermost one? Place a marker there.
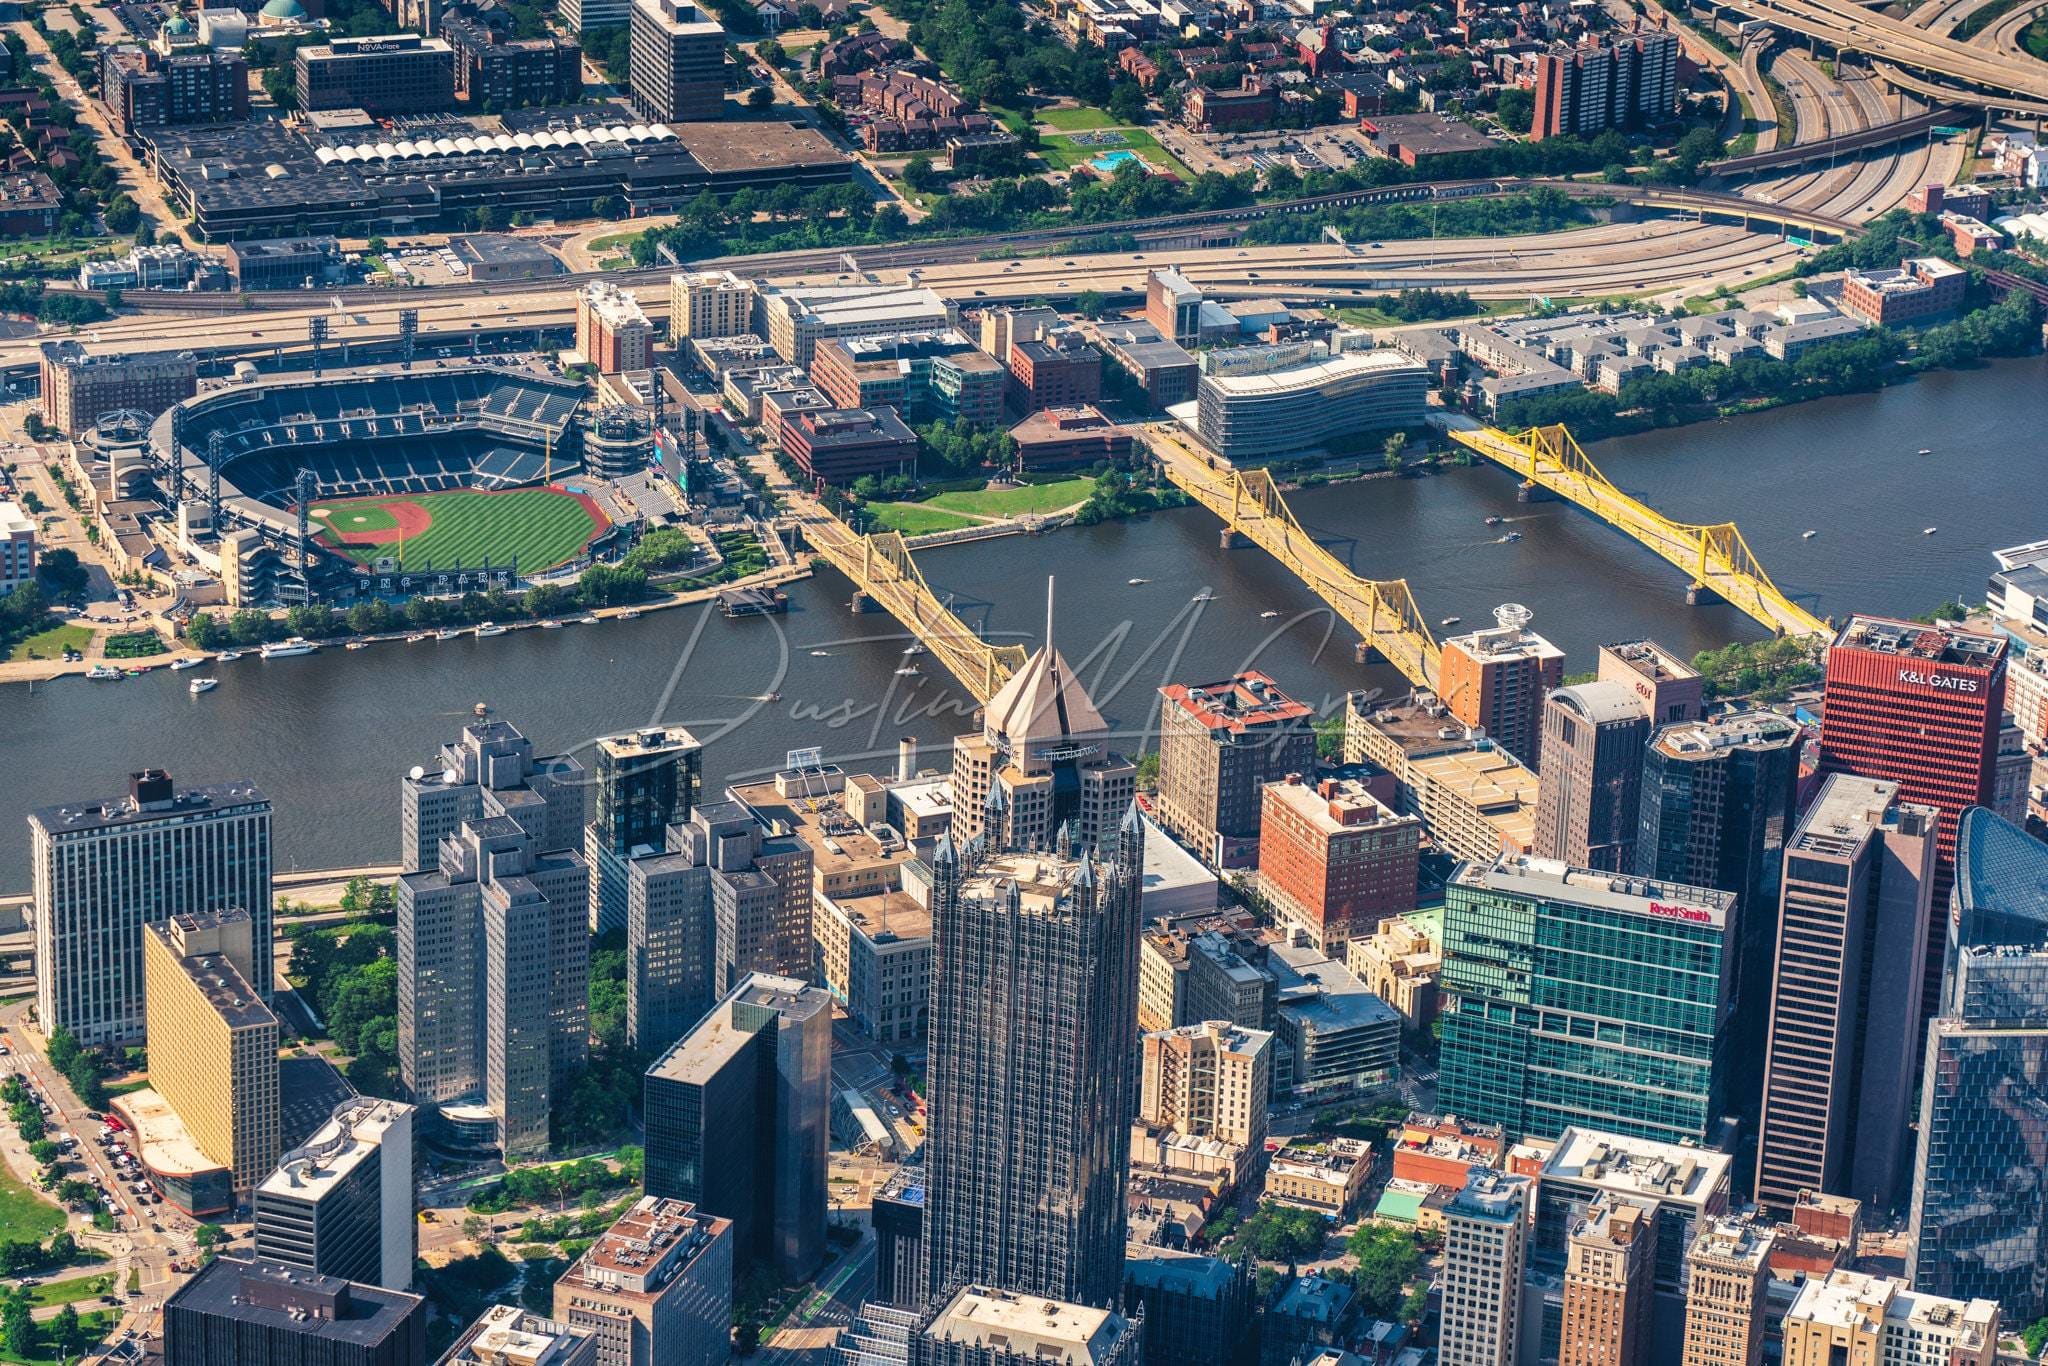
(1034, 1023)
(1980, 1187)
(646, 780)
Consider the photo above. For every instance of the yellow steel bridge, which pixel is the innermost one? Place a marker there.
(1382, 611)
(883, 572)
(1718, 559)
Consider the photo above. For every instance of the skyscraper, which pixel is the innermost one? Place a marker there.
(738, 1113)
(341, 1203)
(1575, 997)
(1041, 761)
(1980, 1187)
(1496, 679)
(1838, 1068)
(1033, 1033)
(104, 868)
(1592, 767)
(1671, 691)
(1486, 1237)
(1719, 799)
(493, 939)
(1334, 862)
(676, 60)
(646, 780)
(235, 1311)
(1920, 706)
(1219, 745)
(655, 1288)
(1611, 1259)
(1726, 1294)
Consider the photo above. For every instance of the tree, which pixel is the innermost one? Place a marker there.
(209, 1235)
(65, 1331)
(18, 1325)
(1394, 451)
(761, 97)
(1127, 103)
(59, 567)
(1516, 110)
(919, 174)
(1387, 1257)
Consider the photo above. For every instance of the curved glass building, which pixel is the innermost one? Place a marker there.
(1980, 1187)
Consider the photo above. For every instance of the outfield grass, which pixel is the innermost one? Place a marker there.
(51, 644)
(24, 1213)
(1010, 502)
(539, 528)
(1069, 120)
(914, 519)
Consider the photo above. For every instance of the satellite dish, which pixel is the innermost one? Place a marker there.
(449, 775)
(417, 773)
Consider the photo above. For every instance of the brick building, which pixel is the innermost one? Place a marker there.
(1070, 438)
(1922, 289)
(840, 444)
(1334, 860)
(1220, 745)
(1058, 369)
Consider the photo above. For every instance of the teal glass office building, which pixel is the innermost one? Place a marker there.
(1594, 999)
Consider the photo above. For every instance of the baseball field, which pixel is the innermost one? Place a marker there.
(536, 528)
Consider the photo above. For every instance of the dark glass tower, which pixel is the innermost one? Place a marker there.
(1980, 1186)
(646, 780)
(1033, 1030)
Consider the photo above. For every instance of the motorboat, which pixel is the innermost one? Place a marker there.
(200, 685)
(551, 626)
(591, 620)
(1450, 621)
(1135, 582)
(1929, 530)
(820, 654)
(1808, 535)
(907, 671)
(1268, 614)
(913, 649)
(1925, 450)
(489, 628)
(100, 673)
(357, 645)
(286, 648)
(229, 656)
(447, 633)
(1511, 536)
(630, 614)
(417, 636)
(1204, 596)
(1495, 521)
(193, 662)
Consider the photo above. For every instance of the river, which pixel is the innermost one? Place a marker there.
(329, 736)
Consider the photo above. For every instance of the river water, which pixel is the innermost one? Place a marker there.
(329, 736)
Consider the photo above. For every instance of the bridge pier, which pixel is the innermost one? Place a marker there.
(860, 602)
(1228, 539)
(1365, 652)
(1529, 492)
(1699, 595)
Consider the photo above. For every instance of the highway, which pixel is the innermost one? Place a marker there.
(1981, 76)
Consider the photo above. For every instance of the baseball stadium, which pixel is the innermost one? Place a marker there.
(440, 480)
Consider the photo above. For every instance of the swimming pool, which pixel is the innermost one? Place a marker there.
(1109, 161)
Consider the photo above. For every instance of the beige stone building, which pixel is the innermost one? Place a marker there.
(656, 1287)
(1851, 1319)
(1610, 1260)
(212, 1041)
(1728, 1275)
(1207, 1082)
(1400, 963)
(709, 303)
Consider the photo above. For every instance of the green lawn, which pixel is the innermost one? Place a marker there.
(52, 644)
(50, 1294)
(1069, 120)
(914, 519)
(1062, 151)
(538, 528)
(26, 1214)
(1010, 502)
(92, 1327)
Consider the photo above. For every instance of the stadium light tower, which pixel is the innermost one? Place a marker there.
(216, 456)
(316, 333)
(304, 485)
(408, 332)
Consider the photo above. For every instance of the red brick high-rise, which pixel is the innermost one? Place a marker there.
(1919, 706)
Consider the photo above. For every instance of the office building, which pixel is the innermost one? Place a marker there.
(1844, 1042)
(1727, 1296)
(1198, 1310)
(1303, 1317)
(1670, 690)
(612, 333)
(656, 1287)
(1920, 706)
(798, 319)
(234, 1312)
(1629, 80)
(1920, 289)
(495, 71)
(144, 88)
(1592, 767)
(897, 1217)
(677, 61)
(1980, 1198)
(1334, 861)
(935, 376)
(839, 445)
(1070, 438)
(1719, 799)
(1851, 1317)
(1485, 1245)
(399, 73)
(1055, 369)
(493, 937)
(341, 1203)
(101, 869)
(1497, 679)
(1033, 1029)
(1219, 745)
(1166, 371)
(709, 303)
(1443, 1150)
(875, 956)
(81, 387)
(1258, 402)
(1336, 1036)
(1325, 1176)
(1173, 305)
(1610, 1260)
(1685, 1185)
(1041, 762)
(983, 1326)
(1573, 997)
(506, 1335)
(213, 1043)
(646, 780)
(585, 16)
(17, 547)
(1203, 1090)
(738, 1115)
(1224, 984)
(1401, 962)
